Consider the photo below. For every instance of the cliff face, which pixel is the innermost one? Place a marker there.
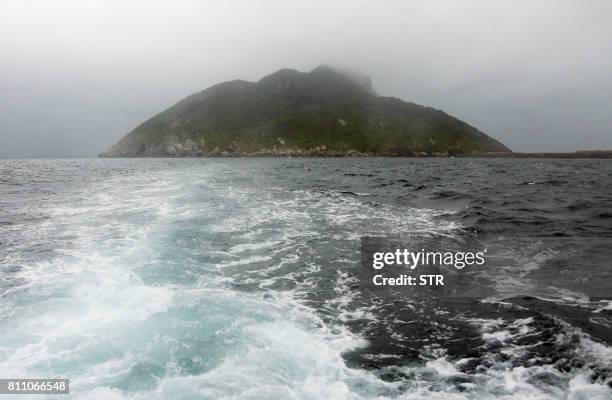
(323, 112)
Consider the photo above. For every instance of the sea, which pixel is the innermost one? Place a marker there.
(240, 278)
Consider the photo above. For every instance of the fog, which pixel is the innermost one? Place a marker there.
(75, 76)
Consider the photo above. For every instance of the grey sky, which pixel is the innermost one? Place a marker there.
(77, 75)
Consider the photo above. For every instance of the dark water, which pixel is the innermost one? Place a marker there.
(240, 278)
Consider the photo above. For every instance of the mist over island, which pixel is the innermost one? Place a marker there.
(78, 76)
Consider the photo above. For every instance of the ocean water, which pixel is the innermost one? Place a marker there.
(238, 279)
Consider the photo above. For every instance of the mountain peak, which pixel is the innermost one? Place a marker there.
(324, 69)
(352, 77)
(322, 79)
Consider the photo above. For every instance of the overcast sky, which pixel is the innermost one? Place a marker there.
(75, 76)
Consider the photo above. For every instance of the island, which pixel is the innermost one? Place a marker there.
(325, 112)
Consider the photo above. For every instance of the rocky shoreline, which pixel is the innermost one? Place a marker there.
(322, 151)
